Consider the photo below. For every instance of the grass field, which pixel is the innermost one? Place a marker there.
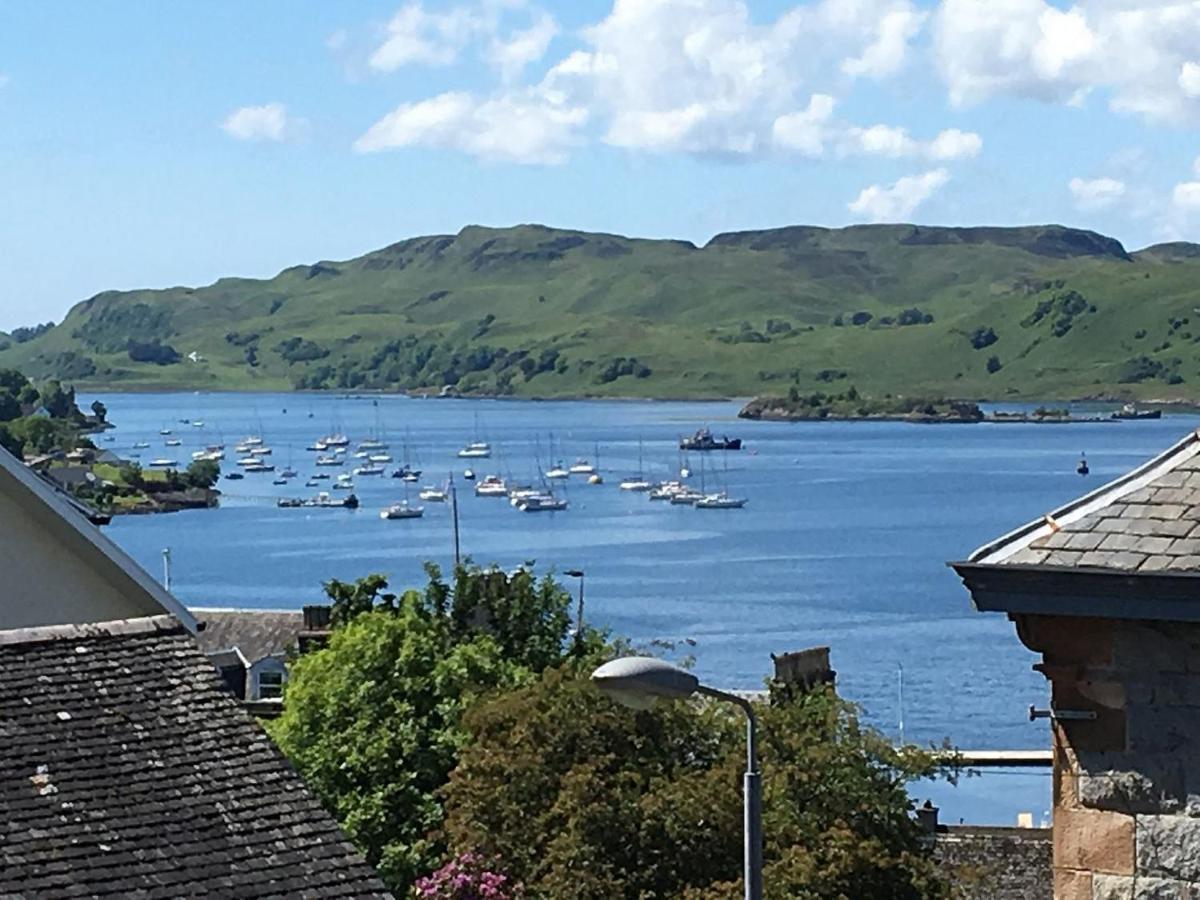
(1036, 312)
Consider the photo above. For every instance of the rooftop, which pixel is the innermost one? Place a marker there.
(128, 770)
(1129, 549)
(257, 633)
(1146, 521)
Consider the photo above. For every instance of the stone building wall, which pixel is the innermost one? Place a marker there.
(996, 863)
(1126, 784)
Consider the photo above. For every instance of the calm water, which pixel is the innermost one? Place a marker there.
(843, 542)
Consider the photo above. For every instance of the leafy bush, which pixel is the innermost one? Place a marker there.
(994, 365)
(861, 318)
(913, 316)
(297, 349)
(983, 337)
(21, 335)
(152, 352)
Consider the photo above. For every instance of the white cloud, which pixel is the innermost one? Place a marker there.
(417, 36)
(269, 122)
(807, 131)
(954, 144)
(899, 200)
(814, 130)
(413, 36)
(520, 127)
(1189, 78)
(701, 76)
(886, 54)
(1096, 193)
(512, 54)
(1138, 53)
(1186, 196)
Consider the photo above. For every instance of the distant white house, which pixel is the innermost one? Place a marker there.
(195, 357)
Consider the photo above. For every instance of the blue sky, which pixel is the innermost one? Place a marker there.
(150, 144)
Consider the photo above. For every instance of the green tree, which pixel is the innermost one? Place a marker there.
(11, 442)
(10, 406)
(579, 797)
(59, 401)
(203, 473)
(372, 720)
(99, 410)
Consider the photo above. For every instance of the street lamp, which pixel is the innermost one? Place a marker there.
(578, 573)
(638, 681)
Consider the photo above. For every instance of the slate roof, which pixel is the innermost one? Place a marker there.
(127, 770)
(1147, 521)
(257, 633)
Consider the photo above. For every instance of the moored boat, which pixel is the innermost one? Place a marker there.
(402, 510)
(704, 440)
(1130, 411)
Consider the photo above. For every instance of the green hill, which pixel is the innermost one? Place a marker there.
(1038, 312)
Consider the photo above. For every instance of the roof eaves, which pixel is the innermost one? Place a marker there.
(41, 634)
(1006, 545)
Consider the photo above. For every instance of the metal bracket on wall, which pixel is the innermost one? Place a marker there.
(1062, 715)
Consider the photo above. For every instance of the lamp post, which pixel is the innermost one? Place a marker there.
(638, 681)
(578, 573)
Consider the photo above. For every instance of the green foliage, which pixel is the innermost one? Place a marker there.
(59, 401)
(155, 352)
(10, 441)
(994, 365)
(23, 334)
(373, 720)
(203, 473)
(297, 350)
(111, 324)
(99, 410)
(983, 336)
(582, 798)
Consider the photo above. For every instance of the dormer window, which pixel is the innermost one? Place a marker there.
(270, 685)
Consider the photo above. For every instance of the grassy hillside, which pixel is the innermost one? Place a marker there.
(1037, 312)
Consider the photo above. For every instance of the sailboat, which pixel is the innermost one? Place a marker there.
(476, 449)
(721, 499)
(638, 481)
(403, 510)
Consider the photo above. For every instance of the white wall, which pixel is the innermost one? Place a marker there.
(51, 575)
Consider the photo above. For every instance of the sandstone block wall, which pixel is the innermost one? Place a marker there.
(1127, 784)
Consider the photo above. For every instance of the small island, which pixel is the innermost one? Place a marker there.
(851, 406)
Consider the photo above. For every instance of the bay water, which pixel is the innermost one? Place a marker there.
(843, 541)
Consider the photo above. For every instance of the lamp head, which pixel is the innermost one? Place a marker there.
(638, 681)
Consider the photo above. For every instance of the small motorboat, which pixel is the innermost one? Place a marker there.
(279, 481)
(432, 495)
(289, 503)
(372, 444)
(173, 442)
(469, 474)
(491, 486)
(260, 451)
(541, 502)
(369, 469)
(476, 450)
(380, 458)
(636, 483)
(234, 476)
(407, 472)
(317, 447)
(336, 440)
(595, 478)
(142, 445)
(328, 461)
(582, 467)
(558, 472)
(321, 476)
(1082, 468)
(402, 510)
(720, 501)
(164, 463)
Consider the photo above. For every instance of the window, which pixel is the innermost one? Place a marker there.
(270, 685)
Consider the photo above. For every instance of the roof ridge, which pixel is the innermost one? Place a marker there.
(85, 631)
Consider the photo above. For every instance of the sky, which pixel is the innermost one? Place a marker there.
(150, 144)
